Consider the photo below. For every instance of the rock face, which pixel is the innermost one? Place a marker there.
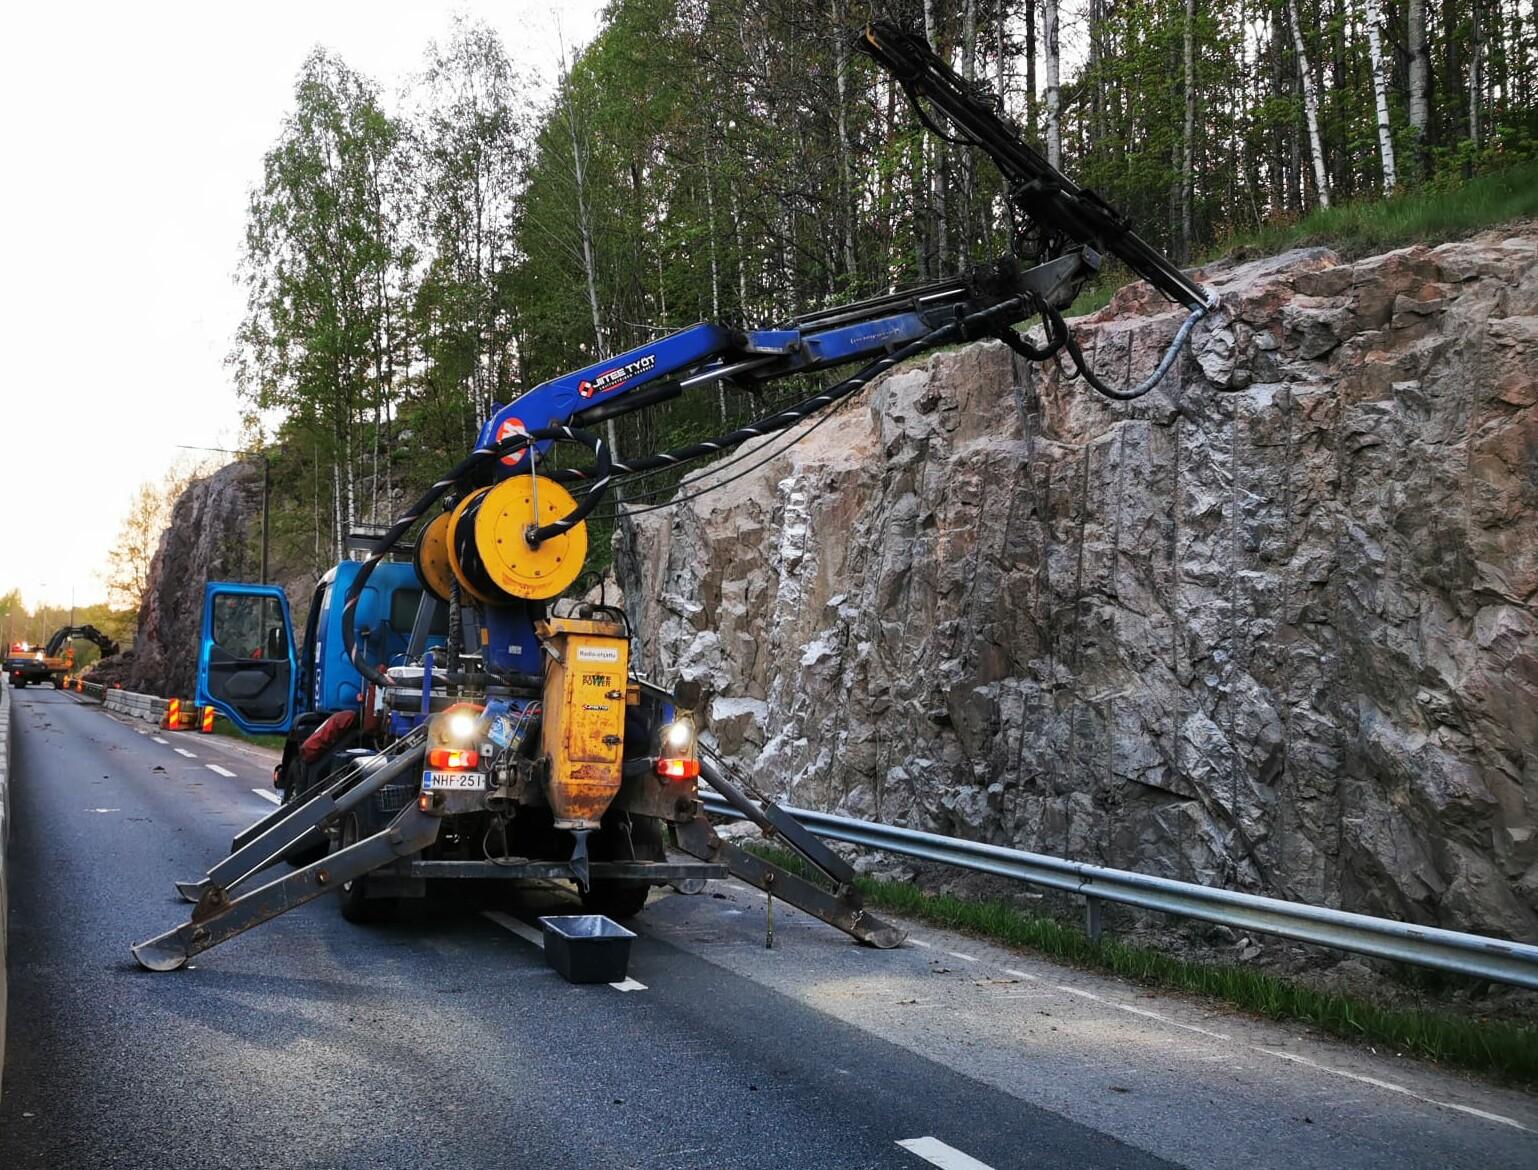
(209, 538)
(1272, 626)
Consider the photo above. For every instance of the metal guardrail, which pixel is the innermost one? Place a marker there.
(1383, 938)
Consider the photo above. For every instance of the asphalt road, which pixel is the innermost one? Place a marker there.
(446, 1040)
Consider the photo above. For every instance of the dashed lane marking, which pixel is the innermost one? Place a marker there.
(1391, 1087)
(157, 739)
(1080, 993)
(629, 985)
(221, 771)
(185, 752)
(937, 1153)
(1021, 974)
(272, 797)
(963, 956)
(918, 942)
(1137, 1011)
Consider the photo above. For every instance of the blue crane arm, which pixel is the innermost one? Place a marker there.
(706, 353)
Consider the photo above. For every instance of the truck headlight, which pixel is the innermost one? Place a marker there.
(463, 725)
(678, 738)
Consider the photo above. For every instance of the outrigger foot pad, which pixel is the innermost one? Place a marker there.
(192, 891)
(161, 954)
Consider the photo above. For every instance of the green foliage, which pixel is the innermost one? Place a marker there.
(1482, 1045)
(1429, 215)
(409, 269)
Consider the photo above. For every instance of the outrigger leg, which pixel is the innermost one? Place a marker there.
(842, 907)
(302, 824)
(218, 916)
(215, 919)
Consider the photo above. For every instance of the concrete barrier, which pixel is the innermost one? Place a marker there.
(147, 707)
(5, 832)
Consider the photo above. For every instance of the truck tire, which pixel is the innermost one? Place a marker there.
(19, 683)
(357, 907)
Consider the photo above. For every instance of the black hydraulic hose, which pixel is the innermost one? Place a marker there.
(1148, 383)
(464, 467)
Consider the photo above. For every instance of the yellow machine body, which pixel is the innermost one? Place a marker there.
(583, 730)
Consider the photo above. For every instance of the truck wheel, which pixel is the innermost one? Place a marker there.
(615, 898)
(20, 683)
(356, 905)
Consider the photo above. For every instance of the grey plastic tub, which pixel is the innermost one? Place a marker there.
(587, 948)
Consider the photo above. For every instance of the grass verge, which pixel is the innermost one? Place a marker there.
(1425, 215)
(1487, 1046)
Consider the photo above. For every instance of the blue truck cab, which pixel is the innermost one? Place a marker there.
(251, 670)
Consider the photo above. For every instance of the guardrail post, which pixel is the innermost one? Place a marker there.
(1092, 917)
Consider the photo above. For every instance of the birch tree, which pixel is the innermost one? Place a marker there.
(1380, 96)
(1310, 105)
(1187, 167)
(1418, 76)
(1054, 94)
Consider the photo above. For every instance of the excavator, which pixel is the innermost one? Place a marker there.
(454, 714)
(24, 664)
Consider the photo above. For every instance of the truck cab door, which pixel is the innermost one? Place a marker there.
(246, 665)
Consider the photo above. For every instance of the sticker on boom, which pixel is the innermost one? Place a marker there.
(617, 377)
(453, 781)
(597, 654)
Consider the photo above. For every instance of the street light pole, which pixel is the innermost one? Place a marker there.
(266, 496)
(266, 490)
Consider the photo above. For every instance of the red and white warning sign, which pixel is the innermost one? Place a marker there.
(509, 428)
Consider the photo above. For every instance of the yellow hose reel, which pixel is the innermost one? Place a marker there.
(483, 545)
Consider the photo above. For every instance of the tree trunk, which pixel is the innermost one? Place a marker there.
(1054, 93)
(1310, 105)
(1187, 165)
(1476, 70)
(1418, 79)
(1030, 67)
(1380, 96)
(846, 175)
(969, 74)
(938, 173)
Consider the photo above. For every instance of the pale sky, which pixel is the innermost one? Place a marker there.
(130, 135)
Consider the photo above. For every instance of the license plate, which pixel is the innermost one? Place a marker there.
(439, 781)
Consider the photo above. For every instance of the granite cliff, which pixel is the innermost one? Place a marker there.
(1272, 626)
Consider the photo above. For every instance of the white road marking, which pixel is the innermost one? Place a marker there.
(157, 738)
(221, 771)
(960, 955)
(937, 1153)
(103, 810)
(918, 942)
(629, 985)
(1079, 993)
(1137, 1011)
(522, 929)
(142, 730)
(185, 752)
(1020, 974)
(262, 792)
(1392, 1088)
